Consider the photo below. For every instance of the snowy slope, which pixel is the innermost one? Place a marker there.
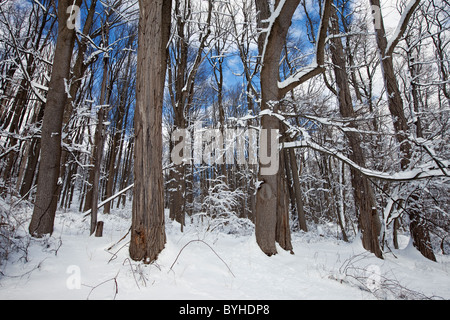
(220, 266)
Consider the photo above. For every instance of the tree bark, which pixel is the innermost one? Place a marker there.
(269, 207)
(419, 232)
(363, 192)
(395, 103)
(182, 76)
(270, 47)
(297, 191)
(282, 230)
(47, 191)
(117, 136)
(33, 157)
(97, 154)
(147, 229)
(393, 94)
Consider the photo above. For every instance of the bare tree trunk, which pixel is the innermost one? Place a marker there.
(297, 191)
(126, 172)
(78, 71)
(269, 207)
(98, 151)
(182, 76)
(419, 230)
(414, 89)
(120, 118)
(177, 194)
(35, 41)
(293, 183)
(283, 231)
(395, 103)
(99, 138)
(33, 157)
(363, 192)
(267, 194)
(47, 190)
(147, 227)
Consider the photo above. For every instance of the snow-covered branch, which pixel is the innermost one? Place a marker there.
(317, 66)
(401, 27)
(428, 170)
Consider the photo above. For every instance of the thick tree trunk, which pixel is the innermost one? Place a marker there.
(419, 232)
(271, 222)
(269, 207)
(47, 190)
(147, 229)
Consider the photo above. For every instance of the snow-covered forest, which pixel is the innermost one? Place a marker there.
(232, 149)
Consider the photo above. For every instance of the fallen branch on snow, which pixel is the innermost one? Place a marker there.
(179, 253)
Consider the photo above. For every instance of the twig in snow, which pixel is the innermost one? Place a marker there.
(119, 240)
(179, 253)
(131, 267)
(116, 286)
(114, 255)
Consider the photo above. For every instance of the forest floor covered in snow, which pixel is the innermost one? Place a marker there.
(201, 263)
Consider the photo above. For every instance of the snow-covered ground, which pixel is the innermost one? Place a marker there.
(204, 264)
